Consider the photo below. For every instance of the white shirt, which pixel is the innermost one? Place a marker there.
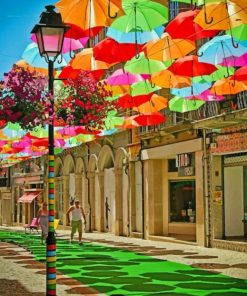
(76, 214)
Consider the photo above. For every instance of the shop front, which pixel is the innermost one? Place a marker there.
(173, 191)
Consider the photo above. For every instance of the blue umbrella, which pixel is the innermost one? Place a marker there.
(142, 37)
(32, 56)
(219, 48)
(194, 89)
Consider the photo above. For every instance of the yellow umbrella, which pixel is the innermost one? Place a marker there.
(88, 13)
(167, 48)
(223, 15)
(85, 60)
(23, 64)
(155, 104)
(228, 87)
(167, 79)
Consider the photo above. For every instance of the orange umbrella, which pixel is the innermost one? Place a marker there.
(222, 15)
(228, 87)
(167, 48)
(85, 60)
(167, 79)
(129, 122)
(117, 89)
(23, 64)
(155, 104)
(88, 13)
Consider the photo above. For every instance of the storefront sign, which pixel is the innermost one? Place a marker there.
(186, 171)
(183, 160)
(218, 197)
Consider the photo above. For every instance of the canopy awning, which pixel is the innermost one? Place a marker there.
(28, 197)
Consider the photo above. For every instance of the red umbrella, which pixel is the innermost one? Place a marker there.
(190, 66)
(110, 51)
(150, 119)
(183, 26)
(76, 32)
(127, 101)
(71, 73)
(240, 74)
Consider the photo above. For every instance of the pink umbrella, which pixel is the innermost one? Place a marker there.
(121, 77)
(235, 61)
(68, 43)
(208, 96)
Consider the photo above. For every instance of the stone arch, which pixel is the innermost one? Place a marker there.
(106, 158)
(58, 169)
(79, 166)
(69, 165)
(122, 195)
(93, 163)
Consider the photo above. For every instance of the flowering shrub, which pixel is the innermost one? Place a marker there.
(82, 102)
(23, 98)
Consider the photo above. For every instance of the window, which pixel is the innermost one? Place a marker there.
(182, 201)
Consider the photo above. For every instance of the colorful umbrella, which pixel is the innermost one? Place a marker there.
(235, 61)
(191, 67)
(167, 48)
(240, 74)
(128, 101)
(142, 88)
(220, 73)
(194, 89)
(142, 65)
(228, 87)
(207, 96)
(86, 61)
(167, 79)
(110, 51)
(184, 27)
(155, 104)
(75, 32)
(138, 14)
(129, 122)
(138, 37)
(238, 33)
(120, 77)
(219, 48)
(182, 105)
(150, 119)
(87, 13)
(23, 64)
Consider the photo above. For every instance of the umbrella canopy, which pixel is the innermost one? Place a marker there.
(207, 96)
(167, 79)
(121, 77)
(142, 88)
(138, 14)
(219, 48)
(32, 56)
(191, 67)
(138, 37)
(182, 105)
(150, 119)
(75, 32)
(220, 73)
(167, 48)
(194, 89)
(155, 104)
(222, 15)
(128, 101)
(110, 51)
(23, 64)
(129, 122)
(87, 13)
(235, 61)
(183, 26)
(143, 65)
(85, 60)
(241, 74)
(238, 33)
(228, 87)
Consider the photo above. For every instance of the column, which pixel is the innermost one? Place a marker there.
(78, 187)
(99, 198)
(65, 198)
(119, 202)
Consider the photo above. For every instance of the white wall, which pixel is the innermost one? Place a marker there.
(109, 192)
(234, 204)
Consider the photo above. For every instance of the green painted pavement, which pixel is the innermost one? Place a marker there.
(114, 271)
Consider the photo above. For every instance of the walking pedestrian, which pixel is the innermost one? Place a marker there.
(74, 215)
(42, 220)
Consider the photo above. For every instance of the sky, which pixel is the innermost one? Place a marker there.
(17, 18)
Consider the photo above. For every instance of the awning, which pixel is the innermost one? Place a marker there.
(28, 197)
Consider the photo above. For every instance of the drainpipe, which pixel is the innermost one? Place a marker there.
(143, 191)
(205, 190)
(88, 192)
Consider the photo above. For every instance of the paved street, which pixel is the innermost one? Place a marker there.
(122, 266)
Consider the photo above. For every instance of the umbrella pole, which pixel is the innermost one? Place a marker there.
(205, 15)
(51, 239)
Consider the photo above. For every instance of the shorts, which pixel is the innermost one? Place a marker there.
(76, 225)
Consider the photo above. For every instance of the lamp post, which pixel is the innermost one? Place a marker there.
(50, 35)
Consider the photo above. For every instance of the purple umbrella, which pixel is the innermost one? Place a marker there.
(121, 77)
(235, 61)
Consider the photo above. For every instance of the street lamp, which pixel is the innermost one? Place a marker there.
(50, 35)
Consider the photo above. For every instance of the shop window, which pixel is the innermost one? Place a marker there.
(182, 201)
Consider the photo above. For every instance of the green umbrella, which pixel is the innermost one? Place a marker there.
(239, 33)
(141, 15)
(39, 132)
(143, 88)
(113, 98)
(179, 104)
(142, 65)
(112, 120)
(221, 73)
